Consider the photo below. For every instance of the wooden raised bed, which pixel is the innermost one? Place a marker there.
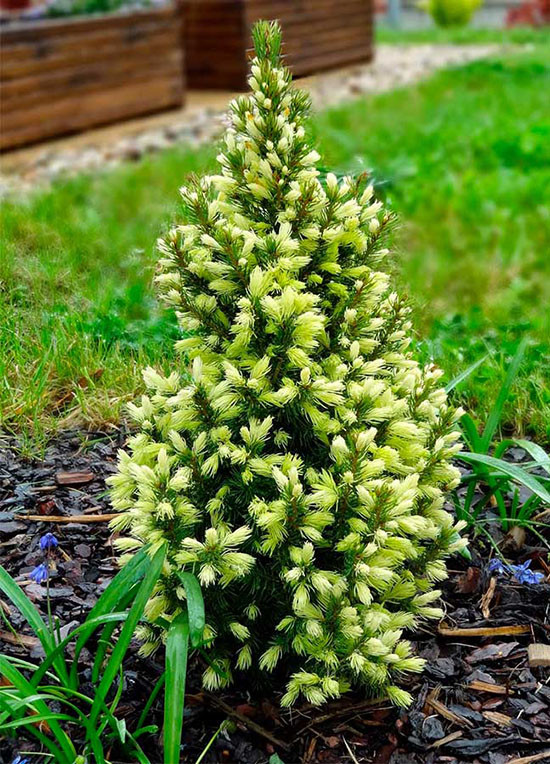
(60, 76)
(318, 34)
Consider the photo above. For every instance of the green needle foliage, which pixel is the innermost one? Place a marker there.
(300, 470)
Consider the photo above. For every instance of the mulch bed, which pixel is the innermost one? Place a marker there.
(479, 699)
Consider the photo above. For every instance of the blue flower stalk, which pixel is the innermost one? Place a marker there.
(48, 541)
(522, 573)
(40, 573)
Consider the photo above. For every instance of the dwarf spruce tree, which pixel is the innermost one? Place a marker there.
(297, 465)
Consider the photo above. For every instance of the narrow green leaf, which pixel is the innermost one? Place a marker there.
(150, 700)
(132, 572)
(104, 641)
(89, 623)
(136, 611)
(27, 690)
(464, 374)
(177, 647)
(470, 433)
(195, 607)
(29, 612)
(46, 742)
(538, 453)
(512, 471)
(211, 743)
(496, 412)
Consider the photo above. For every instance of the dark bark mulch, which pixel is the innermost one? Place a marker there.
(479, 699)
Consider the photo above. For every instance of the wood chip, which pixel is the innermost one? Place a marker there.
(106, 518)
(492, 652)
(538, 654)
(497, 718)
(74, 478)
(446, 713)
(447, 739)
(497, 689)
(484, 631)
(528, 759)
(19, 639)
(488, 598)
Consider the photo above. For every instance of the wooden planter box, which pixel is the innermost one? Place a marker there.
(318, 34)
(60, 76)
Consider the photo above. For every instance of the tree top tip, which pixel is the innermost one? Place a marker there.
(267, 38)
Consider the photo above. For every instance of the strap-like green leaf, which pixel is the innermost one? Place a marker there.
(136, 611)
(470, 433)
(496, 412)
(512, 471)
(29, 612)
(538, 453)
(90, 623)
(177, 647)
(26, 689)
(464, 374)
(195, 607)
(133, 571)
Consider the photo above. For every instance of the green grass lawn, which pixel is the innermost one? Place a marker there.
(464, 35)
(464, 159)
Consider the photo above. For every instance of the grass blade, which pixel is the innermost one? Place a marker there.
(177, 647)
(510, 470)
(496, 412)
(195, 607)
(29, 612)
(464, 374)
(136, 611)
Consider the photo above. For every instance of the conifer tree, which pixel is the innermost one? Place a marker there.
(297, 461)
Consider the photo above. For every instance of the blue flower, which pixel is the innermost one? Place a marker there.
(20, 760)
(496, 566)
(40, 573)
(48, 541)
(524, 575)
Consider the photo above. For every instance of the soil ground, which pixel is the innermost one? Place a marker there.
(479, 700)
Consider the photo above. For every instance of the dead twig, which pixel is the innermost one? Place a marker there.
(106, 518)
(341, 712)
(258, 729)
(484, 631)
(350, 752)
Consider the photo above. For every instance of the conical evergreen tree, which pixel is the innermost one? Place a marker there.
(298, 469)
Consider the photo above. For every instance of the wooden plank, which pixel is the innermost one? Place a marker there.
(75, 106)
(317, 34)
(96, 79)
(65, 75)
(16, 48)
(27, 30)
(13, 69)
(93, 110)
(88, 74)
